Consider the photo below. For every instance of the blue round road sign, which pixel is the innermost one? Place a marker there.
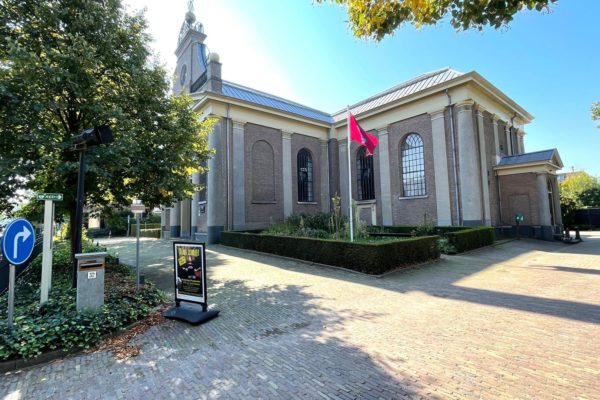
(18, 241)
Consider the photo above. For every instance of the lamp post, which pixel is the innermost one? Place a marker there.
(88, 138)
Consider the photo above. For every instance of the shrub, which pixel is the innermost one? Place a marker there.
(472, 238)
(370, 258)
(57, 324)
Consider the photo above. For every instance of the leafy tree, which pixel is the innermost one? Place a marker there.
(67, 65)
(375, 19)
(596, 112)
(578, 190)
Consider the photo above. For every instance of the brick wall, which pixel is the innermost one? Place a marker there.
(260, 211)
(519, 195)
(411, 211)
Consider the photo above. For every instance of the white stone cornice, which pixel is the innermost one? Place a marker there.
(382, 131)
(520, 132)
(238, 125)
(495, 119)
(479, 108)
(466, 105)
(437, 114)
(286, 135)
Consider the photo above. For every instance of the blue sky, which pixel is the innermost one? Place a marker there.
(548, 63)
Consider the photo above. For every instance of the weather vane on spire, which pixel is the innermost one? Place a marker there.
(191, 5)
(190, 22)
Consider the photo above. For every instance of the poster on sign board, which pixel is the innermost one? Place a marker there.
(190, 272)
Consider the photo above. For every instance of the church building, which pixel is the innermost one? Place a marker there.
(451, 149)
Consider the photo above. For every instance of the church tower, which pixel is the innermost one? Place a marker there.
(192, 55)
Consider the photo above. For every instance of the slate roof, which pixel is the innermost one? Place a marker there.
(407, 88)
(397, 92)
(264, 99)
(526, 158)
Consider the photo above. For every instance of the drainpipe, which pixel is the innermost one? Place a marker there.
(499, 197)
(454, 167)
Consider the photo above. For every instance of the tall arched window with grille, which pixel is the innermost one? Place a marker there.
(305, 176)
(364, 175)
(413, 166)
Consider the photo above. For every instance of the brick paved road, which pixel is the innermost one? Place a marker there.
(519, 320)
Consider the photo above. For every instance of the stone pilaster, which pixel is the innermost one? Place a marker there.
(343, 162)
(325, 196)
(440, 166)
(286, 156)
(384, 176)
(543, 200)
(194, 208)
(485, 187)
(175, 220)
(496, 139)
(508, 140)
(521, 140)
(470, 183)
(216, 205)
(239, 193)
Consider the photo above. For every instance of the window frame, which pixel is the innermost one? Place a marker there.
(413, 177)
(304, 160)
(365, 185)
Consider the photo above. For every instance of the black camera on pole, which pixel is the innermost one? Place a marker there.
(88, 138)
(93, 137)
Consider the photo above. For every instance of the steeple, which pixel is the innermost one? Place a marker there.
(190, 23)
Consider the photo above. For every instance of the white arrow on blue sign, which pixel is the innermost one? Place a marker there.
(18, 241)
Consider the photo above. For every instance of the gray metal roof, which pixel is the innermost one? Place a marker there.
(405, 89)
(536, 156)
(264, 99)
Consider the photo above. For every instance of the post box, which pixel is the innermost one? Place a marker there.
(90, 280)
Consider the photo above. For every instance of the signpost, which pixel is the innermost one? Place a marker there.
(189, 262)
(17, 246)
(138, 210)
(48, 199)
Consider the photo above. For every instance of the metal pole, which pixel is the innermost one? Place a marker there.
(11, 295)
(79, 212)
(47, 251)
(350, 179)
(137, 250)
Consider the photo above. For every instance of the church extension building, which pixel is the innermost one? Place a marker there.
(451, 147)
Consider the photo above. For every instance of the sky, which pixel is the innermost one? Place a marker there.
(548, 63)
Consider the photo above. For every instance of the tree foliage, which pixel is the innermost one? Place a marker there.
(579, 190)
(374, 19)
(67, 65)
(596, 112)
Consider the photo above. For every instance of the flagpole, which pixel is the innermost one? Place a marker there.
(349, 177)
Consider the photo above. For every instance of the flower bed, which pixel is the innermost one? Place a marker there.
(370, 258)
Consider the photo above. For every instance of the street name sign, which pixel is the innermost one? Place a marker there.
(50, 196)
(138, 208)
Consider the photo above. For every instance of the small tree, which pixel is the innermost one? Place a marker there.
(67, 65)
(579, 190)
(596, 112)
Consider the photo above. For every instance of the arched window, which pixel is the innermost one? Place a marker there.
(413, 166)
(364, 175)
(305, 176)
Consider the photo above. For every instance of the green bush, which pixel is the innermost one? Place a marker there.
(57, 324)
(370, 258)
(471, 238)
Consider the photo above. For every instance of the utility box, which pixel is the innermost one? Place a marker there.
(90, 280)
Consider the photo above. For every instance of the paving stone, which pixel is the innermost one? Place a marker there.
(518, 320)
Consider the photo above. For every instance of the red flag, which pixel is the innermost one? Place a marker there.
(361, 137)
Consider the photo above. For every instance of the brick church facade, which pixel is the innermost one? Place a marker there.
(451, 148)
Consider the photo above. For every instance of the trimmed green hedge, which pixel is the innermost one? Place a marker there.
(143, 227)
(471, 238)
(411, 228)
(369, 258)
